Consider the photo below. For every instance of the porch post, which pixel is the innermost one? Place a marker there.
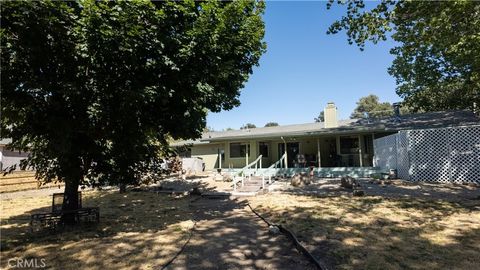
(318, 153)
(360, 150)
(372, 154)
(285, 152)
(220, 158)
(247, 148)
(253, 149)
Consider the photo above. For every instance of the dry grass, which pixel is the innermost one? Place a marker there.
(138, 230)
(21, 180)
(141, 230)
(379, 233)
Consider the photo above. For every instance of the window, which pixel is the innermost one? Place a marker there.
(238, 150)
(263, 149)
(349, 145)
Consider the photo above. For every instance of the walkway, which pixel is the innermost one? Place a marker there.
(229, 236)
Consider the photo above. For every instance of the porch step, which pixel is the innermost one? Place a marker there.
(251, 187)
(242, 193)
(253, 184)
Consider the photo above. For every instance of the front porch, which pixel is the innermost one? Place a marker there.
(322, 172)
(328, 154)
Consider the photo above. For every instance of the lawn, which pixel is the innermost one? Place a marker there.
(381, 233)
(147, 227)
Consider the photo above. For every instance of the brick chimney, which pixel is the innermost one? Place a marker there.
(331, 115)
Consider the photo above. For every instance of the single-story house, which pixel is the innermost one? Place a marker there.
(332, 145)
(8, 157)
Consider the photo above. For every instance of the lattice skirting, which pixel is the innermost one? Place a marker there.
(432, 155)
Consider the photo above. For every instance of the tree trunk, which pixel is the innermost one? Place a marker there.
(70, 201)
(123, 188)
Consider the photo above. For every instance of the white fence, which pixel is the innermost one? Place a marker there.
(435, 155)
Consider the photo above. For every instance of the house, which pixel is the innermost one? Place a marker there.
(8, 157)
(331, 147)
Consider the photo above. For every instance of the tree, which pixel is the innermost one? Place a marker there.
(93, 90)
(271, 124)
(370, 105)
(437, 65)
(321, 117)
(208, 129)
(248, 125)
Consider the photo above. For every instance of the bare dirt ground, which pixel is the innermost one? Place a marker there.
(206, 181)
(396, 226)
(390, 189)
(228, 235)
(137, 230)
(145, 230)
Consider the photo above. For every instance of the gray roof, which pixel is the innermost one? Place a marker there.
(388, 124)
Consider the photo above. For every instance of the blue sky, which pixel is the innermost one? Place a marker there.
(304, 68)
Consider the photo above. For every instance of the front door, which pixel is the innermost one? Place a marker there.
(293, 148)
(329, 155)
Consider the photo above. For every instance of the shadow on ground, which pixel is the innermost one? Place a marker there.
(146, 229)
(394, 189)
(229, 236)
(382, 233)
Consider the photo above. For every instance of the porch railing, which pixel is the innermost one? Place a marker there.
(247, 170)
(272, 170)
(279, 164)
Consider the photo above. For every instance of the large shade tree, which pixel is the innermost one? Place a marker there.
(370, 106)
(248, 126)
(437, 62)
(271, 124)
(93, 90)
(320, 117)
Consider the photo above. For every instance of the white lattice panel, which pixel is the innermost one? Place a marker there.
(433, 155)
(403, 162)
(429, 155)
(464, 148)
(385, 156)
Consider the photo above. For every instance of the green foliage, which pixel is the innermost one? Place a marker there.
(271, 124)
(437, 64)
(248, 125)
(321, 117)
(95, 89)
(362, 26)
(208, 129)
(370, 105)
